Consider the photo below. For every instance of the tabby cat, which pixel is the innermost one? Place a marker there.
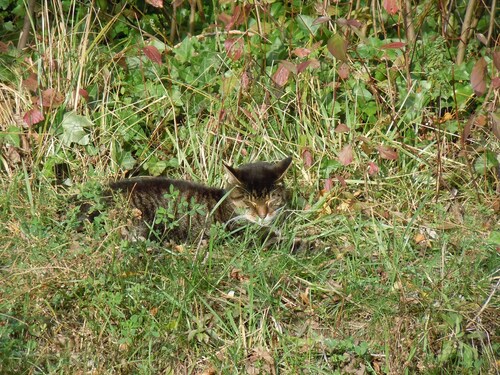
(183, 211)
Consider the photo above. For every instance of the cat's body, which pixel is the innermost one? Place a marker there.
(183, 211)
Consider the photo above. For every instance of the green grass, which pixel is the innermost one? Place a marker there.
(403, 275)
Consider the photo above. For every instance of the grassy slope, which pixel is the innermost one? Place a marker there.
(399, 279)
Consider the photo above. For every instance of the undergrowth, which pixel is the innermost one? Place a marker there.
(394, 180)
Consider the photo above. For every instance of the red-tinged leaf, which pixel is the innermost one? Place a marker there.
(496, 59)
(342, 128)
(289, 66)
(245, 81)
(84, 94)
(495, 82)
(280, 77)
(482, 38)
(234, 48)
(321, 20)
(120, 59)
(391, 6)
(346, 155)
(303, 66)
(238, 17)
(394, 45)
(51, 98)
(155, 3)
(373, 168)
(337, 46)
(225, 18)
(31, 83)
(478, 77)
(4, 47)
(307, 158)
(354, 23)
(313, 63)
(328, 184)
(495, 123)
(343, 71)
(301, 52)
(153, 54)
(387, 152)
(342, 180)
(467, 129)
(33, 116)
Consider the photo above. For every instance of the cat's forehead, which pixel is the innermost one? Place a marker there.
(258, 176)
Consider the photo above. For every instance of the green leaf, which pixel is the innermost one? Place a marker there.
(485, 162)
(11, 136)
(337, 46)
(494, 238)
(74, 129)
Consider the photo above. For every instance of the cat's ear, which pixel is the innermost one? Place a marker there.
(281, 167)
(232, 175)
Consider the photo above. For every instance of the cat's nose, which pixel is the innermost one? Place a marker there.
(262, 211)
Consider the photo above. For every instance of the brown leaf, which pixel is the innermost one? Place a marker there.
(155, 3)
(307, 158)
(343, 71)
(301, 52)
(51, 98)
(328, 185)
(313, 63)
(245, 81)
(238, 17)
(346, 155)
(280, 77)
(225, 18)
(4, 47)
(31, 83)
(33, 116)
(373, 168)
(393, 45)
(321, 20)
(387, 152)
(354, 23)
(337, 46)
(466, 130)
(477, 77)
(495, 124)
(234, 48)
(289, 66)
(342, 180)
(495, 82)
(153, 54)
(496, 59)
(391, 6)
(84, 94)
(342, 128)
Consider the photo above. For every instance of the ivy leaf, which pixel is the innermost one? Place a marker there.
(477, 77)
(337, 46)
(74, 129)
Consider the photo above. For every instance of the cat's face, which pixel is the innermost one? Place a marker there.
(257, 190)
